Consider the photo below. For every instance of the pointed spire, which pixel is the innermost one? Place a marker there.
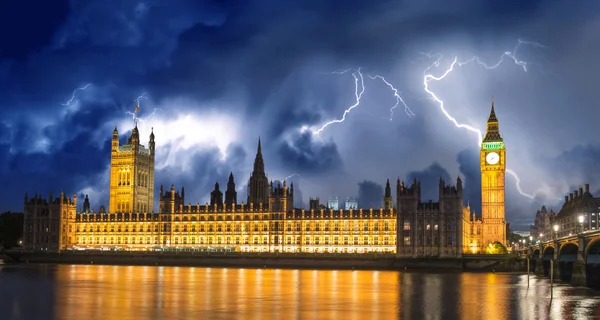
(259, 151)
(388, 189)
(493, 131)
(231, 177)
(259, 163)
(492, 117)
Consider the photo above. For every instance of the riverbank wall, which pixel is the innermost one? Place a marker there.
(275, 260)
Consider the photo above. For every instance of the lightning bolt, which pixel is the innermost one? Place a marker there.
(291, 176)
(73, 95)
(359, 89)
(134, 115)
(399, 99)
(429, 77)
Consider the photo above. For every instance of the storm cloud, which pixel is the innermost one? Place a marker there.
(220, 74)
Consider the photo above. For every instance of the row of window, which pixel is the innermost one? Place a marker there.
(239, 240)
(427, 225)
(256, 227)
(434, 241)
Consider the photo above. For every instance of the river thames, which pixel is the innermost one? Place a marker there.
(133, 292)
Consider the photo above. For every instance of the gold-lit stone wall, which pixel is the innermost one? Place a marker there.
(131, 174)
(353, 231)
(472, 232)
(493, 172)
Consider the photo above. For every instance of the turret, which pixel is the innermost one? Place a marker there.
(151, 144)
(216, 196)
(86, 204)
(26, 198)
(230, 193)
(387, 198)
(135, 138)
(115, 140)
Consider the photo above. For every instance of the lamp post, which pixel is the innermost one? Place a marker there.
(581, 219)
(555, 231)
(541, 236)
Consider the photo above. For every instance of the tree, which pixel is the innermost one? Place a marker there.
(11, 229)
(495, 248)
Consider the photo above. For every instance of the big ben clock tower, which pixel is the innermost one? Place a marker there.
(493, 168)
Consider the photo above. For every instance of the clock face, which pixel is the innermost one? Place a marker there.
(492, 158)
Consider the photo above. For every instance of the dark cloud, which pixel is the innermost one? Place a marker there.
(370, 194)
(29, 26)
(430, 180)
(262, 69)
(206, 169)
(468, 161)
(310, 156)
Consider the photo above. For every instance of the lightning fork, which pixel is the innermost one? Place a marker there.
(73, 95)
(429, 77)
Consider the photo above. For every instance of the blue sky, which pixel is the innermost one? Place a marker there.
(216, 75)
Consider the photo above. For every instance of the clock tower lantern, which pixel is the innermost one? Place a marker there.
(493, 168)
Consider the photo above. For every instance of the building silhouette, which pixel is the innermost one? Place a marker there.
(268, 222)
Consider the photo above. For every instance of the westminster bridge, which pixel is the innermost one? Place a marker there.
(576, 258)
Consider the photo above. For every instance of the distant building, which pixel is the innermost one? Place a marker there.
(333, 204)
(580, 203)
(544, 219)
(351, 203)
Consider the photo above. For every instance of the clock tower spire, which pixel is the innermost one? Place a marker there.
(493, 172)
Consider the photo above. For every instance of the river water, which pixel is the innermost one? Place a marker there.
(90, 292)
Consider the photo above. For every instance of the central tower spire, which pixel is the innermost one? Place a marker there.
(258, 185)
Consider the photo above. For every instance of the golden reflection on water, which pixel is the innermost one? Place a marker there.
(92, 292)
(111, 292)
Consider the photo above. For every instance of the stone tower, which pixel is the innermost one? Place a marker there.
(132, 174)
(493, 168)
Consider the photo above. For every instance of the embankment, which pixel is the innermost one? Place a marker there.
(274, 260)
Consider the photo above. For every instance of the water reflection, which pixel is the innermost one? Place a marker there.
(124, 292)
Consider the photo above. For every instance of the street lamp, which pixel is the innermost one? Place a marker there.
(555, 231)
(581, 222)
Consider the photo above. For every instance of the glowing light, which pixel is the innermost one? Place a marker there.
(429, 77)
(73, 95)
(399, 99)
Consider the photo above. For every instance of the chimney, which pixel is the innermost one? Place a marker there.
(575, 194)
(566, 199)
(580, 191)
(587, 188)
(570, 196)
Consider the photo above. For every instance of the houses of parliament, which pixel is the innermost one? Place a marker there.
(267, 221)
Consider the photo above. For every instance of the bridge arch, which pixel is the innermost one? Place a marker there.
(534, 258)
(592, 263)
(567, 256)
(547, 258)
